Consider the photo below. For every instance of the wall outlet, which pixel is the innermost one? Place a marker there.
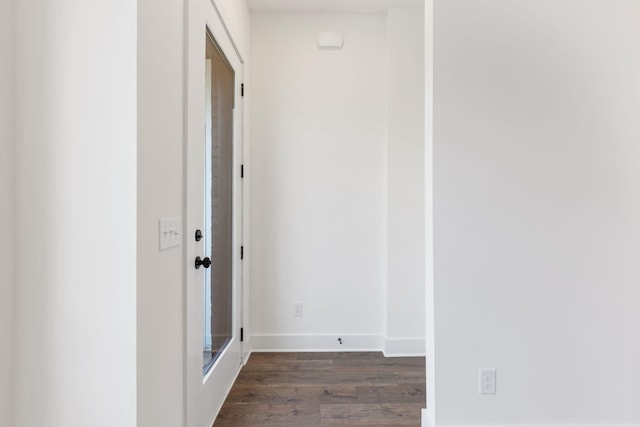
(487, 381)
(297, 309)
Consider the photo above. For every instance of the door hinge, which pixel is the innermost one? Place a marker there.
(241, 171)
(242, 89)
(241, 334)
(241, 252)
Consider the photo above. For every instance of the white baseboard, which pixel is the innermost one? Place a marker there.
(226, 394)
(246, 349)
(427, 422)
(391, 347)
(426, 419)
(404, 347)
(245, 357)
(328, 342)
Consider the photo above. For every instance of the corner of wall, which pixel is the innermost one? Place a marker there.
(7, 213)
(429, 235)
(404, 192)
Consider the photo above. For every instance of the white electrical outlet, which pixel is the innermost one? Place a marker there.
(169, 230)
(487, 381)
(297, 309)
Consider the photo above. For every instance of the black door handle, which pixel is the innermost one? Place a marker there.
(206, 262)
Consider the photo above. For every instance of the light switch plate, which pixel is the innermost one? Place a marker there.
(169, 233)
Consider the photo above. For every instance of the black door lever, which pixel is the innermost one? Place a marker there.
(206, 262)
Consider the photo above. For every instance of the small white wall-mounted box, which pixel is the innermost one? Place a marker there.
(330, 41)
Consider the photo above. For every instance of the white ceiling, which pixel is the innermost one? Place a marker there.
(330, 6)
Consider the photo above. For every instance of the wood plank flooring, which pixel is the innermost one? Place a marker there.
(326, 389)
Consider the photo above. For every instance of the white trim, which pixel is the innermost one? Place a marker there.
(426, 419)
(430, 289)
(227, 31)
(330, 6)
(427, 422)
(316, 342)
(245, 358)
(404, 347)
(226, 394)
(531, 425)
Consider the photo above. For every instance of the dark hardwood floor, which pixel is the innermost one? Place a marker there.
(326, 389)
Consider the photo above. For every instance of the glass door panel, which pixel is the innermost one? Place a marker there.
(218, 232)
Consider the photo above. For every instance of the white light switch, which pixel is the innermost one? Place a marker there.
(169, 233)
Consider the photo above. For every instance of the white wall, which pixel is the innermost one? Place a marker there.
(537, 211)
(317, 181)
(7, 206)
(87, 355)
(405, 182)
(75, 134)
(160, 292)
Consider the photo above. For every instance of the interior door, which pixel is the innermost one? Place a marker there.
(213, 206)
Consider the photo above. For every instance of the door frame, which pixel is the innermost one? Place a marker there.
(202, 16)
